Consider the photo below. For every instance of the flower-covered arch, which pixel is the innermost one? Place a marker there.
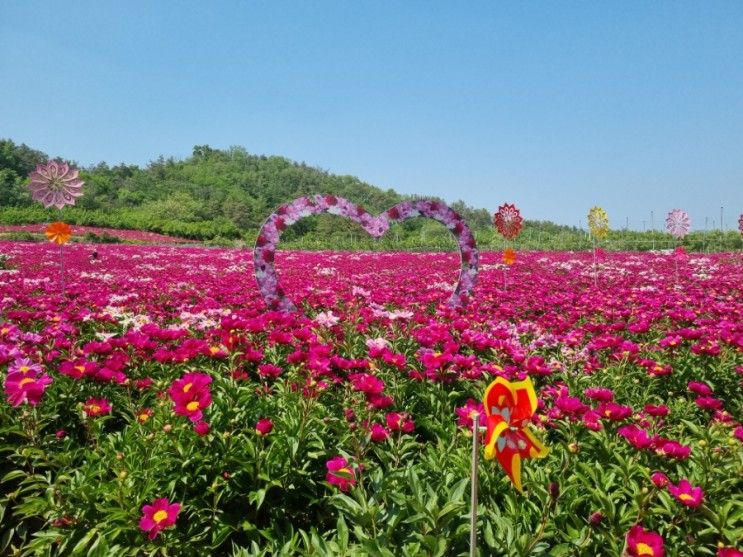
(376, 226)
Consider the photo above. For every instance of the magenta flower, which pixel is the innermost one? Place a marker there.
(378, 432)
(659, 479)
(467, 413)
(263, 427)
(340, 473)
(644, 543)
(687, 494)
(95, 407)
(26, 386)
(159, 515)
(55, 184)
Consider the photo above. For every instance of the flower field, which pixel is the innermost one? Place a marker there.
(154, 406)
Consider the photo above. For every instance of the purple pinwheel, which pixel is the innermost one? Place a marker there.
(677, 223)
(55, 184)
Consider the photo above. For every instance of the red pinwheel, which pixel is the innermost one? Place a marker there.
(508, 221)
(508, 408)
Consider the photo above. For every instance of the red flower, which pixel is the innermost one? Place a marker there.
(95, 407)
(340, 473)
(397, 421)
(159, 515)
(687, 494)
(644, 543)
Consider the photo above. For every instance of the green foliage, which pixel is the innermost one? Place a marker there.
(227, 194)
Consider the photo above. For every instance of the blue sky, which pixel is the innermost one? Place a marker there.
(556, 106)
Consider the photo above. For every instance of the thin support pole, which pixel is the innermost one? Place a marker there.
(473, 494)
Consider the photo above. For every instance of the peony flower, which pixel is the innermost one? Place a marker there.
(468, 412)
(159, 515)
(201, 428)
(644, 543)
(730, 551)
(263, 427)
(340, 473)
(26, 386)
(687, 494)
(95, 407)
(55, 184)
(659, 479)
(58, 232)
(378, 432)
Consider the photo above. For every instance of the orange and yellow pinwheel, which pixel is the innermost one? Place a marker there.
(508, 408)
(58, 232)
(509, 256)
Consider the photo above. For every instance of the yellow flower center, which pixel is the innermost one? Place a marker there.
(24, 369)
(645, 549)
(345, 471)
(159, 516)
(94, 408)
(24, 381)
(187, 387)
(686, 497)
(81, 369)
(214, 349)
(193, 405)
(143, 417)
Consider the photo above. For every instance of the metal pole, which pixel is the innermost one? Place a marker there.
(473, 493)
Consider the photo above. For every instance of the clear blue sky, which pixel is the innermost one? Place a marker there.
(556, 106)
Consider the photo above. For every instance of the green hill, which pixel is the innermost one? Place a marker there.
(223, 196)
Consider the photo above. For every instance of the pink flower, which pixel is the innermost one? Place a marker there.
(468, 412)
(644, 543)
(95, 407)
(708, 402)
(659, 411)
(159, 515)
(659, 479)
(614, 411)
(397, 421)
(55, 184)
(729, 551)
(687, 494)
(191, 395)
(378, 432)
(26, 386)
(601, 394)
(672, 449)
(699, 388)
(263, 427)
(636, 436)
(340, 473)
(269, 370)
(201, 428)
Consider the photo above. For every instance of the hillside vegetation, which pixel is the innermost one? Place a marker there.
(223, 196)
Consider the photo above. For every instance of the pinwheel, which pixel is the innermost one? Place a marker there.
(677, 223)
(508, 221)
(508, 409)
(598, 222)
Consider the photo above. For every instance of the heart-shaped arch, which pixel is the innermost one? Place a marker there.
(288, 214)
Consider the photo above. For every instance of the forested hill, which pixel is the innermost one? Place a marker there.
(225, 195)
